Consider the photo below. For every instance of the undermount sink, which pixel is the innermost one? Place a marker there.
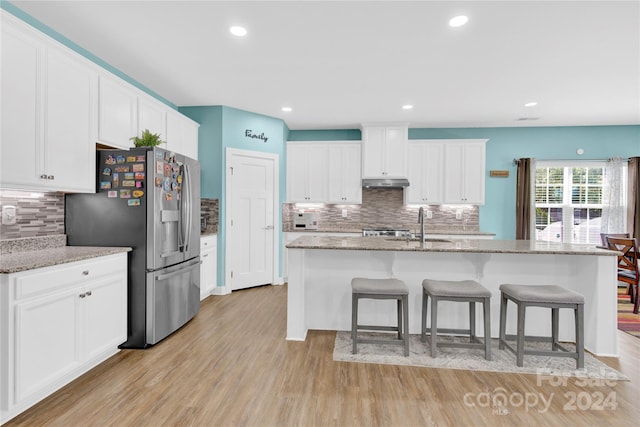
(417, 239)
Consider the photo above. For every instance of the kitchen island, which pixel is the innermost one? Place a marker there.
(321, 269)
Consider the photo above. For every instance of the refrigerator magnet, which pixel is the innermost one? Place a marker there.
(139, 175)
(138, 167)
(167, 196)
(174, 185)
(179, 179)
(158, 181)
(128, 183)
(167, 184)
(159, 167)
(111, 194)
(167, 169)
(120, 159)
(138, 193)
(167, 156)
(140, 158)
(139, 184)
(106, 171)
(116, 179)
(105, 185)
(131, 159)
(128, 175)
(133, 202)
(111, 160)
(125, 194)
(122, 169)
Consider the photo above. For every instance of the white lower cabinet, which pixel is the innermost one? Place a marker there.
(57, 323)
(209, 267)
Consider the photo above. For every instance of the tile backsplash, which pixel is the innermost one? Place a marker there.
(37, 214)
(209, 209)
(384, 208)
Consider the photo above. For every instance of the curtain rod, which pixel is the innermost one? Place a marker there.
(516, 161)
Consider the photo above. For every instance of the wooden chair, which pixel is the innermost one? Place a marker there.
(627, 266)
(604, 236)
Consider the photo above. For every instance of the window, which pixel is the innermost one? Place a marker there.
(569, 202)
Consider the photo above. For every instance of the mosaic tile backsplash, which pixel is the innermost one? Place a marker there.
(209, 209)
(383, 208)
(37, 214)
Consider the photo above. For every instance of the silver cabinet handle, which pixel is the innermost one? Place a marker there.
(88, 293)
(85, 273)
(51, 177)
(269, 227)
(82, 295)
(43, 176)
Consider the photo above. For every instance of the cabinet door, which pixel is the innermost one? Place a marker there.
(416, 170)
(175, 139)
(21, 162)
(296, 173)
(395, 152)
(351, 174)
(46, 341)
(117, 122)
(373, 155)
(70, 123)
(454, 173)
(316, 173)
(207, 272)
(104, 315)
(335, 173)
(432, 173)
(474, 168)
(152, 116)
(190, 133)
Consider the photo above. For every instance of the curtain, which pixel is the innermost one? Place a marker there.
(633, 199)
(614, 204)
(525, 199)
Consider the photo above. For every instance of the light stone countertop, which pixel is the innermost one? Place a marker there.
(451, 231)
(452, 245)
(37, 252)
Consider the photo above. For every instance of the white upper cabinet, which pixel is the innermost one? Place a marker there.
(152, 115)
(182, 134)
(384, 151)
(464, 171)
(118, 113)
(48, 113)
(425, 173)
(344, 174)
(306, 172)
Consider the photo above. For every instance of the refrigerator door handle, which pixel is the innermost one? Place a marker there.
(187, 209)
(181, 271)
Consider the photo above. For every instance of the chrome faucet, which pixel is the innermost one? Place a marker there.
(421, 222)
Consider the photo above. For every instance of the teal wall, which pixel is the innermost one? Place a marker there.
(497, 215)
(325, 135)
(5, 5)
(224, 127)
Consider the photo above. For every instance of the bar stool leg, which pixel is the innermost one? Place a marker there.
(487, 328)
(520, 335)
(399, 309)
(472, 321)
(503, 321)
(423, 330)
(354, 323)
(554, 329)
(405, 311)
(434, 325)
(579, 319)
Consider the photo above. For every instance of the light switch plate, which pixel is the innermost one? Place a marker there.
(344, 213)
(429, 214)
(8, 215)
(458, 214)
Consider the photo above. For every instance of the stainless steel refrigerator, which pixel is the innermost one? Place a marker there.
(148, 199)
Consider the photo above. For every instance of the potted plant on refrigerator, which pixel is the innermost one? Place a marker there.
(147, 139)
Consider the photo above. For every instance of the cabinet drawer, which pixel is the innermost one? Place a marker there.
(42, 281)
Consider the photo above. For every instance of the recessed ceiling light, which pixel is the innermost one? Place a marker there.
(407, 107)
(458, 21)
(286, 109)
(238, 31)
(531, 104)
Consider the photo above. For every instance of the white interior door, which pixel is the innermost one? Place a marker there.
(251, 218)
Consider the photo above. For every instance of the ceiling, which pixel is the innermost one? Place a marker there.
(338, 64)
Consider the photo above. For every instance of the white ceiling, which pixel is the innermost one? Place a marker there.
(339, 64)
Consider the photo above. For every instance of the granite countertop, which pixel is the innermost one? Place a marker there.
(451, 245)
(450, 231)
(37, 252)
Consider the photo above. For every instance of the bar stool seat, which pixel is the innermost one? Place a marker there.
(392, 289)
(461, 291)
(551, 296)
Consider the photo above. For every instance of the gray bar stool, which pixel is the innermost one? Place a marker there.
(462, 291)
(551, 296)
(393, 289)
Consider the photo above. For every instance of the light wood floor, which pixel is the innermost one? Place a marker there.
(232, 366)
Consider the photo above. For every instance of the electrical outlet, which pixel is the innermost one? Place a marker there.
(344, 213)
(429, 214)
(458, 214)
(8, 215)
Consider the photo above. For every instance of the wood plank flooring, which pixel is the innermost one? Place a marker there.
(231, 366)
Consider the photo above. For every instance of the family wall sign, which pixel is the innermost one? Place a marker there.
(248, 133)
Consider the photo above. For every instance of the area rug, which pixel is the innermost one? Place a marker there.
(470, 359)
(627, 321)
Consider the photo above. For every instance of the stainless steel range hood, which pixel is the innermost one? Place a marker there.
(385, 183)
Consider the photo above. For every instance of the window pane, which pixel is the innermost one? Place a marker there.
(541, 195)
(542, 176)
(579, 175)
(556, 176)
(595, 195)
(578, 195)
(549, 224)
(595, 176)
(555, 194)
